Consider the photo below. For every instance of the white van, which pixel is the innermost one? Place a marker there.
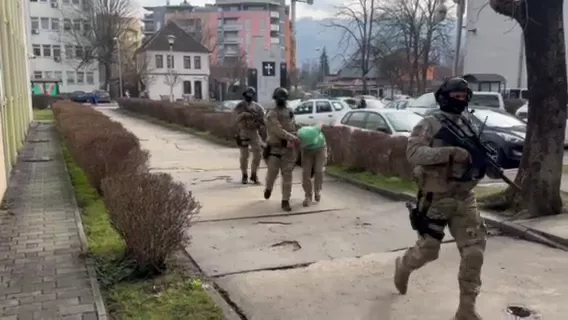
(486, 99)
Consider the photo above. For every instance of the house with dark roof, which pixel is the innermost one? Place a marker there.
(176, 65)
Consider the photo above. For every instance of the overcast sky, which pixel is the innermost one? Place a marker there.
(321, 8)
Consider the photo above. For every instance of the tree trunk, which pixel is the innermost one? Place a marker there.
(540, 172)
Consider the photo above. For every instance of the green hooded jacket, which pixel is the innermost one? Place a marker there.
(311, 138)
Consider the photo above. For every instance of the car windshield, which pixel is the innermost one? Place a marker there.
(424, 101)
(485, 100)
(403, 121)
(497, 119)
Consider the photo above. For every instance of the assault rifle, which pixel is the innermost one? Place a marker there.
(481, 154)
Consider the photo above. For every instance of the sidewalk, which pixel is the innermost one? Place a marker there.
(43, 275)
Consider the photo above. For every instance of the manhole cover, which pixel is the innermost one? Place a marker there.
(520, 312)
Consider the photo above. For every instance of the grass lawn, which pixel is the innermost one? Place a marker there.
(44, 114)
(171, 296)
(397, 184)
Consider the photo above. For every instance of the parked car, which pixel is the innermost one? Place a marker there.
(320, 111)
(226, 106)
(523, 114)
(390, 121)
(350, 101)
(485, 99)
(398, 104)
(87, 97)
(502, 132)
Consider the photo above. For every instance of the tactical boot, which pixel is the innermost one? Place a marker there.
(307, 201)
(245, 178)
(267, 193)
(401, 276)
(317, 197)
(286, 205)
(466, 308)
(254, 178)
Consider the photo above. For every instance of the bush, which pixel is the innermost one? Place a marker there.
(150, 211)
(152, 218)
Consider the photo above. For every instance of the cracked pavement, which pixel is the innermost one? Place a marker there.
(335, 259)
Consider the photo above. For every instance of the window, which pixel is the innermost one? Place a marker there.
(45, 23)
(171, 62)
(376, 122)
(56, 51)
(159, 61)
(355, 119)
(90, 77)
(86, 26)
(77, 24)
(187, 87)
(338, 106)
(36, 48)
(35, 22)
(323, 107)
(75, 1)
(70, 77)
(79, 52)
(46, 50)
(426, 100)
(54, 23)
(197, 62)
(80, 77)
(67, 24)
(402, 121)
(48, 74)
(305, 108)
(58, 75)
(485, 100)
(37, 74)
(69, 52)
(187, 62)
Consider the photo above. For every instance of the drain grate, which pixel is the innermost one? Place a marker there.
(520, 312)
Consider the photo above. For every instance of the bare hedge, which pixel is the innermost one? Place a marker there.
(150, 211)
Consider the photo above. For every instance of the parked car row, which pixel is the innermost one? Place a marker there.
(99, 96)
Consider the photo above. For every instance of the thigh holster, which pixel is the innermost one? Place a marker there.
(420, 221)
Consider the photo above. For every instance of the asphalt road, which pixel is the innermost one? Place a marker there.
(333, 260)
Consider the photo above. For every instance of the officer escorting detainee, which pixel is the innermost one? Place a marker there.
(314, 158)
(446, 197)
(281, 144)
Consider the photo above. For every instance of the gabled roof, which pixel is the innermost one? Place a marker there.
(183, 43)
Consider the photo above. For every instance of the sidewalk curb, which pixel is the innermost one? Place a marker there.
(95, 288)
(508, 227)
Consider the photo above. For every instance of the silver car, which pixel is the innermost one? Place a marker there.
(390, 121)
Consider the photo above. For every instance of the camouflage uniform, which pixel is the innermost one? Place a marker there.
(453, 201)
(280, 126)
(249, 119)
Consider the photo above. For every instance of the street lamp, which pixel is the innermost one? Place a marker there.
(119, 67)
(171, 40)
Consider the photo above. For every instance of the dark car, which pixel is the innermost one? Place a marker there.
(502, 132)
(87, 97)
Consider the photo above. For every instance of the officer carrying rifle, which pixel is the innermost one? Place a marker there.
(449, 160)
(249, 122)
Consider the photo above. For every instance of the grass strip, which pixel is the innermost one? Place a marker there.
(43, 114)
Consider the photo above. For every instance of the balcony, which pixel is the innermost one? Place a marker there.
(275, 27)
(148, 17)
(232, 40)
(275, 40)
(275, 14)
(231, 27)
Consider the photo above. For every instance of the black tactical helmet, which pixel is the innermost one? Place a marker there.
(280, 93)
(455, 84)
(250, 91)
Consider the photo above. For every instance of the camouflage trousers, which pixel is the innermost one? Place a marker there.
(313, 162)
(281, 160)
(251, 142)
(468, 229)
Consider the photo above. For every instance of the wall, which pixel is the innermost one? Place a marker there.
(16, 113)
(157, 83)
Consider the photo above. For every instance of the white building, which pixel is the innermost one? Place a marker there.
(187, 77)
(53, 49)
(494, 44)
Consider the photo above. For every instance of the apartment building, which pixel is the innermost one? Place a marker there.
(55, 55)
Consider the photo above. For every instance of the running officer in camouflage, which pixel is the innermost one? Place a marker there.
(314, 158)
(249, 119)
(281, 145)
(446, 198)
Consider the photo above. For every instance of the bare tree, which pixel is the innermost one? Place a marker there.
(540, 172)
(93, 27)
(231, 74)
(136, 68)
(171, 79)
(356, 19)
(394, 68)
(415, 30)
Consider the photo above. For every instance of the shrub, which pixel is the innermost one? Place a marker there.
(151, 217)
(44, 101)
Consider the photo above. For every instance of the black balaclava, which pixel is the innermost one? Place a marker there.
(449, 104)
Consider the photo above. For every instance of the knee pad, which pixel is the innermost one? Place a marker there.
(473, 255)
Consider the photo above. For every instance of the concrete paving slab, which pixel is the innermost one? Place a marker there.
(515, 272)
(271, 242)
(556, 225)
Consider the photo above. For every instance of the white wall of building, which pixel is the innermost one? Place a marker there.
(158, 76)
(493, 44)
(47, 40)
